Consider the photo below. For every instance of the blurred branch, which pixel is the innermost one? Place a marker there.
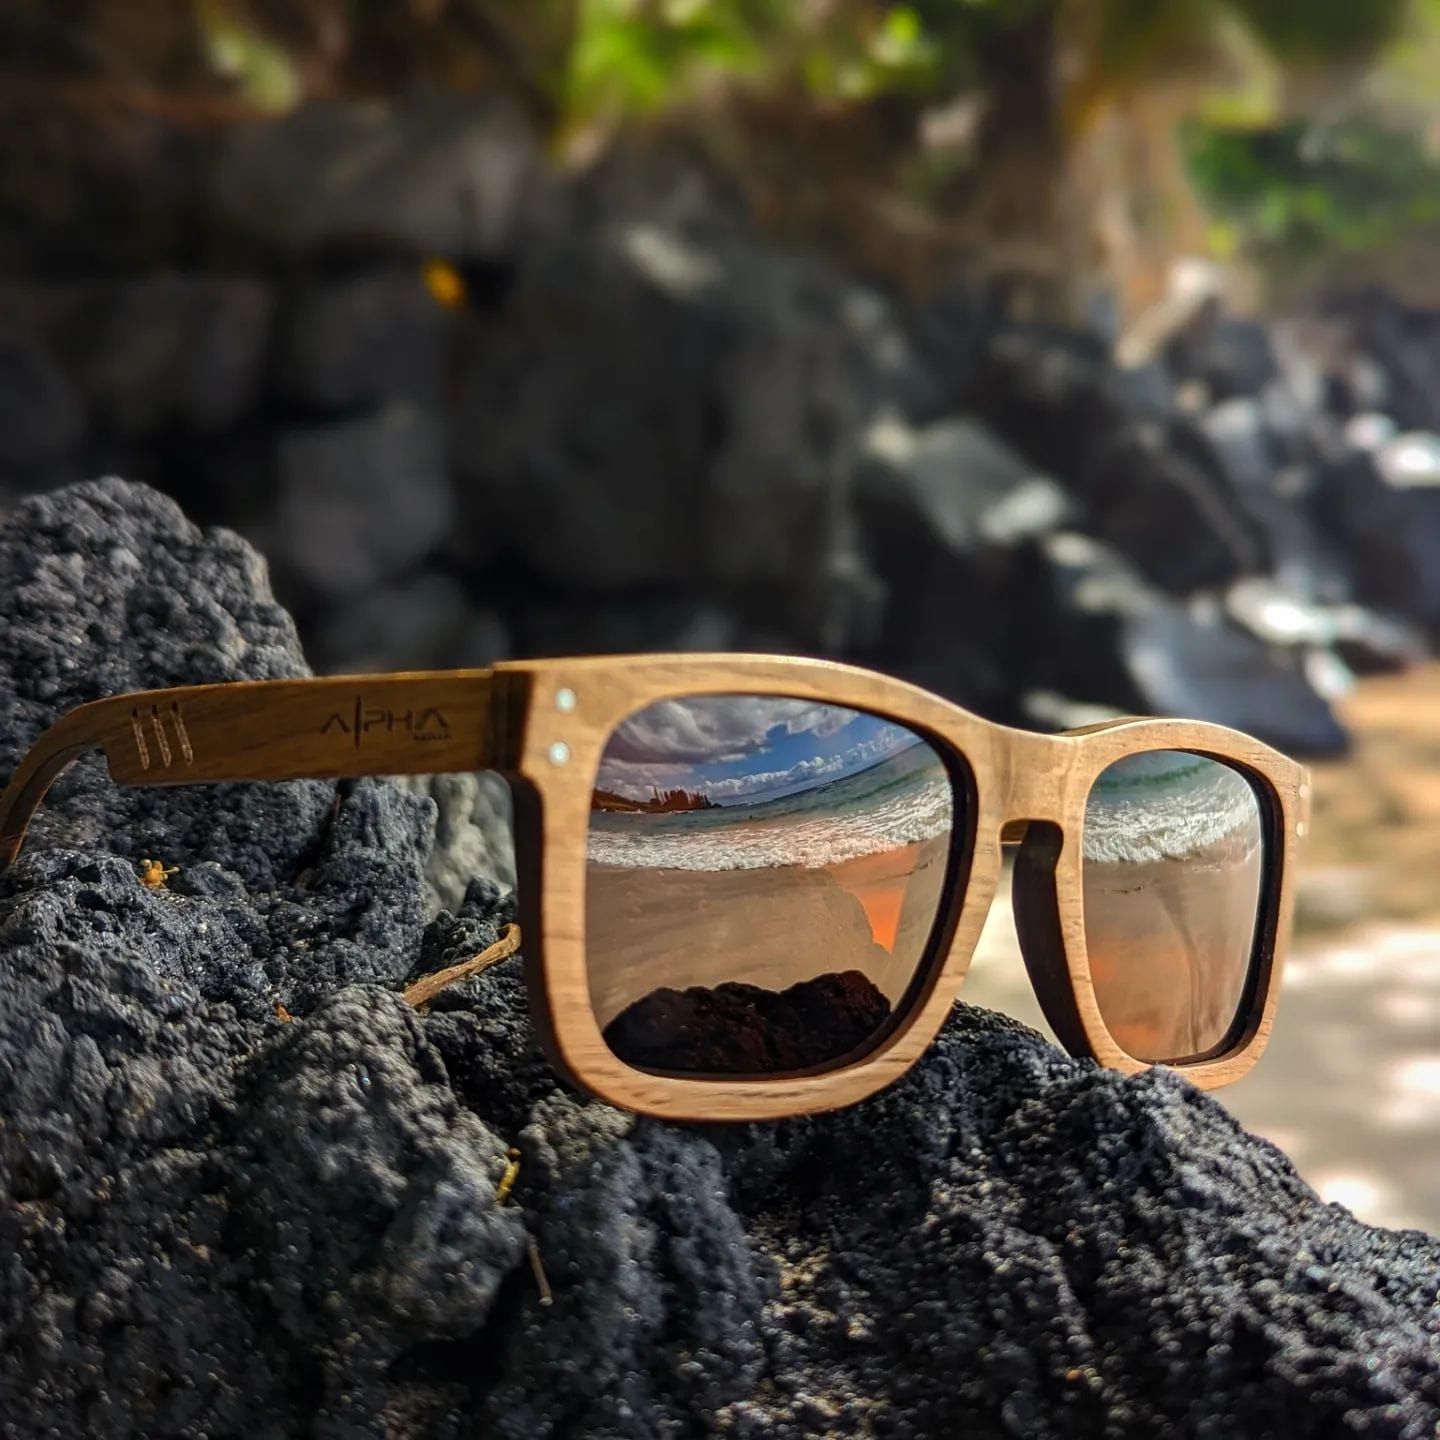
(31, 95)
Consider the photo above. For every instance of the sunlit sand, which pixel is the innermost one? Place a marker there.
(771, 926)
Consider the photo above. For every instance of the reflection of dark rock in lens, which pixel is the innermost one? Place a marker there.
(737, 1029)
(763, 877)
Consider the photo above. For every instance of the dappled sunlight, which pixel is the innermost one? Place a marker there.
(1349, 1086)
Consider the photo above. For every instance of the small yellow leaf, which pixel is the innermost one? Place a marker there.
(445, 284)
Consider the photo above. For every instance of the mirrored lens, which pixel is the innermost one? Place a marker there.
(1174, 864)
(764, 875)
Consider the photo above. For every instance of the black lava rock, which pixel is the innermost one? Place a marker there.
(1230, 356)
(171, 352)
(1390, 535)
(944, 513)
(432, 174)
(355, 341)
(216, 1221)
(1109, 638)
(1155, 492)
(585, 414)
(42, 417)
(361, 502)
(1146, 480)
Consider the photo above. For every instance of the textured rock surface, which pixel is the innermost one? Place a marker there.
(217, 1223)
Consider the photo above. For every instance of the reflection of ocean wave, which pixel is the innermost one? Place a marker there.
(1167, 805)
(886, 807)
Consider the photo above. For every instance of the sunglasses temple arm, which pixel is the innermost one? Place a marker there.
(22, 796)
(409, 724)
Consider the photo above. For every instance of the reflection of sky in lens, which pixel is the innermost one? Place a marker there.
(734, 748)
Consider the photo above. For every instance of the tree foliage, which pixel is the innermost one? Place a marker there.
(1284, 165)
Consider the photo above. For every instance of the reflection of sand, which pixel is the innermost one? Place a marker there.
(1170, 943)
(772, 927)
(878, 883)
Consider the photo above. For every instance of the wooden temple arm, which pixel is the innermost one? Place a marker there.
(405, 724)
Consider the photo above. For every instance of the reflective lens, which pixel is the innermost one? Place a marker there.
(764, 875)
(1174, 865)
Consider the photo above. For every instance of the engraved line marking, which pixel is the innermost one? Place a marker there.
(357, 722)
(185, 746)
(140, 740)
(160, 736)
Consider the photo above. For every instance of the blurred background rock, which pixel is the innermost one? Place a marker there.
(1068, 358)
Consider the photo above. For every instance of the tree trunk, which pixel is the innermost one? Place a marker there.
(1034, 238)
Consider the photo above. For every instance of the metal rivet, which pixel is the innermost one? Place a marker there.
(559, 753)
(1300, 828)
(1304, 788)
(565, 700)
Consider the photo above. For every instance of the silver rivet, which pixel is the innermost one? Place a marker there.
(1300, 828)
(559, 753)
(565, 700)
(1304, 788)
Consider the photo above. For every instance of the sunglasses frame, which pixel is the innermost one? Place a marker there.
(544, 724)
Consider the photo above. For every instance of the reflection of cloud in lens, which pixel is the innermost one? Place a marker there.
(640, 776)
(718, 728)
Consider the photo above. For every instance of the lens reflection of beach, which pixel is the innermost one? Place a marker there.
(1174, 861)
(771, 927)
(1170, 944)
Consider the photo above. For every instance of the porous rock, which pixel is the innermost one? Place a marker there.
(216, 1221)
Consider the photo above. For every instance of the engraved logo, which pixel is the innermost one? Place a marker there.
(170, 744)
(362, 720)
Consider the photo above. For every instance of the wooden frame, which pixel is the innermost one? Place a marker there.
(544, 725)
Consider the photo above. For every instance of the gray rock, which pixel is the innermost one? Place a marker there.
(1389, 534)
(585, 414)
(1054, 395)
(360, 502)
(955, 481)
(800, 387)
(628, 624)
(1239, 431)
(1157, 494)
(1395, 359)
(1203, 669)
(948, 330)
(648, 411)
(1370, 643)
(473, 835)
(944, 511)
(1306, 560)
(1273, 614)
(424, 621)
(433, 174)
(1145, 479)
(42, 416)
(1230, 356)
(1110, 638)
(252, 1226)
(171, 352)
(1410, 461)
(353, 343)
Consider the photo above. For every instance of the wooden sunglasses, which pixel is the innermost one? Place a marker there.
(751, 886)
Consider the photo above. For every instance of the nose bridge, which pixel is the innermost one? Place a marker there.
(1035, 774)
